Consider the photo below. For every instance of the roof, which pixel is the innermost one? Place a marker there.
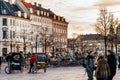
(4, 8)
(9, 9)
(36, 7)
(91, 37)
(28, 5)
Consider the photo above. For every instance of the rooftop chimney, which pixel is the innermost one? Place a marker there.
(39, 5)
(35, 3)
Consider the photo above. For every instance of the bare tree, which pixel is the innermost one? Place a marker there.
(46, 39)
(103, 24)
(112, 32)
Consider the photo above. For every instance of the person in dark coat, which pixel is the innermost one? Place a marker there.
(112, 64)
(90, 65)
(0, 61)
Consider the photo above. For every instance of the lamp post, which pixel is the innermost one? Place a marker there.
(24, 48)
(11, 41)
(24, 41)
(36, 43)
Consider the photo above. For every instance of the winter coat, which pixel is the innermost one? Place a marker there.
(112, 64)
(102, 69)
(90, 63)
(32, 59)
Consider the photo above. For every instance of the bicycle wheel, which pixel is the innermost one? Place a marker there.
(8, 70)
(34, 69)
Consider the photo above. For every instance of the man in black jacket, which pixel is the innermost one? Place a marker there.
(90, 65)
(112, 63)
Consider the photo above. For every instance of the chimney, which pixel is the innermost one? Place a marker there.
(39, 5)
(49, 9)
(35, 3)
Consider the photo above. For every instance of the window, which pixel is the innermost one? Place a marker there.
(4, 34)
(10, 22)
(4, 22)
(48, 14)
(4, 11)
(13, 34)
(54, 16)
(41, 12)
(4, 51)
(19, 13)
(38, 12)
(44, 13)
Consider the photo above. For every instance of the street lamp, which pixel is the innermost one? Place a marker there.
(24, 41)
(11, 41)
(36, 42)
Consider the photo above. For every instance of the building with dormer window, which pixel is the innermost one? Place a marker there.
(12, 28)
(30, 28)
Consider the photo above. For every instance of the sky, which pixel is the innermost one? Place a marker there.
(80, 14)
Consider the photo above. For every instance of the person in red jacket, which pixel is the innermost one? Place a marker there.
(32, 60)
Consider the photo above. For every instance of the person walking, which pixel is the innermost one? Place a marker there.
(0, 60)
(32, 61)
(112, 63)
(102, 69)
(90, 65)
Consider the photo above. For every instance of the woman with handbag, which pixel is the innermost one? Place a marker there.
(102, 70)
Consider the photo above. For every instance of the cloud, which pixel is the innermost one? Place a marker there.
(107, 3)
(78, 28)
(79, 9)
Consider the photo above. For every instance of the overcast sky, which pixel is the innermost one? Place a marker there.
(81, 14)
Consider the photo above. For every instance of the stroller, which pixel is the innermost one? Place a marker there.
(15, 60)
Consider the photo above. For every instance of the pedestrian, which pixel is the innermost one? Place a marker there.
(32, 61)
(0, 62)
(102, 69)
(90, 65)
(9, 58)
(112, 63)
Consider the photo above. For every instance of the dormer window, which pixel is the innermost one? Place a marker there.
(4, 11)
(54, 16)
(41, 12)
(31, 10)
(44, 13)
(25, 15)
(38, 12)
(19, 13)
(48, 14)
(58, 18)
(62, 19)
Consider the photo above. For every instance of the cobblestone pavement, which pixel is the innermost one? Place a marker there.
(61, 73)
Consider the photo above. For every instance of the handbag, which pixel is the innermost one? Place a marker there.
(105, 78)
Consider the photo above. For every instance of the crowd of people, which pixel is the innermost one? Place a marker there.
(104, 66)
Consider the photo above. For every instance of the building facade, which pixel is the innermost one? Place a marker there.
(60, 31)
(13, 23)
(84, 43)
(30, 28)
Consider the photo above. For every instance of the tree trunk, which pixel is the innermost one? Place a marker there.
(112, 45)
(105, 39)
